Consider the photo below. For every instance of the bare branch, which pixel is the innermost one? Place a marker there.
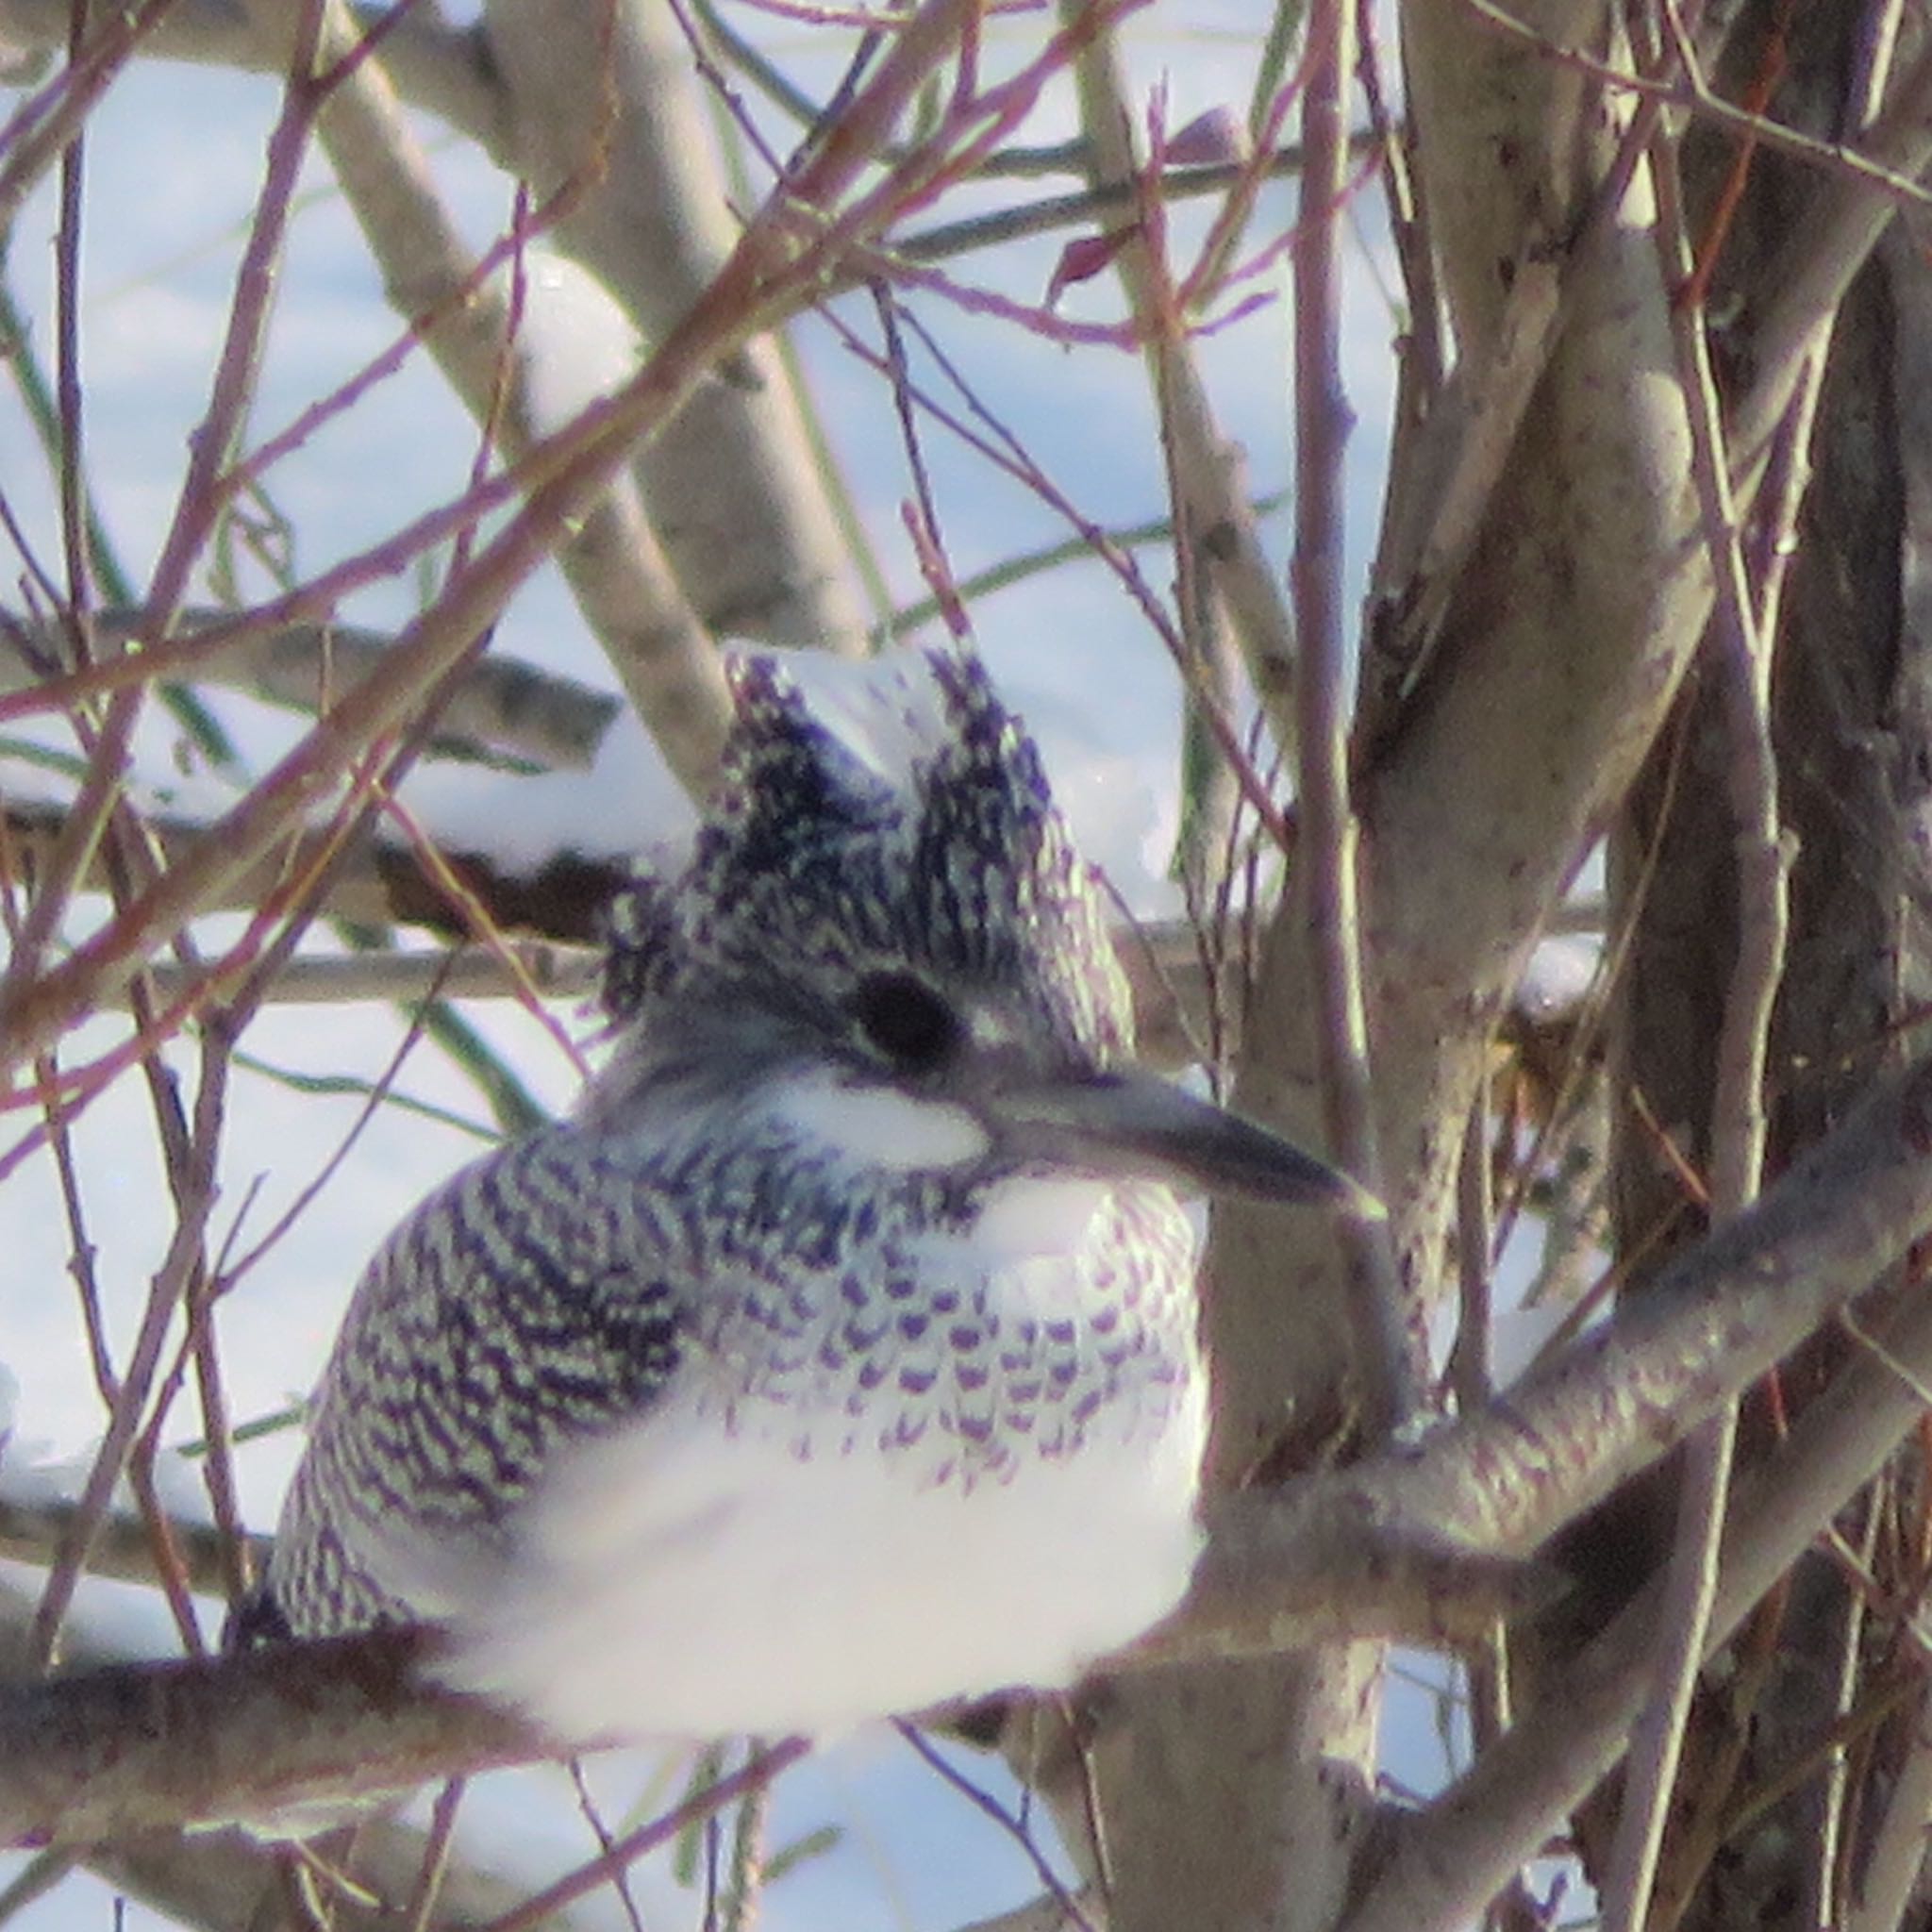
(1205, 462)
(1897, 1862)
(608, 550)
(1328, 857)
(1830, 247)
(610, 96)
(1717, 1317)
(1453, 1858)
(136, 1747)
(146, 1748)
(733, 489)
(377, 882)
(465, 973)
(1406, 1545)
(122, 1547)
(435, 65)
(501, 702)
(773, 269)
(1743, 653)
(230, 1882)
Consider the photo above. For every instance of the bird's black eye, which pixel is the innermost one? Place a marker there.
(905, 1020)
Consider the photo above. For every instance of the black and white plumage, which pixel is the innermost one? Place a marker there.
(838, 1358)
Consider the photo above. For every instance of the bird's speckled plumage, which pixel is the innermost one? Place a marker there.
(811, 1371)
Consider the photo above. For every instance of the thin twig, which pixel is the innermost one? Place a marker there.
(772, 269)
(1817, 264)
(505, 703)
(983, 1801)
(634, 1845)
(165, 1296)
(1383, 1358)
(44, 126)
(87, 816)
(1688, 88)
(1214, 500)
(1743, 662)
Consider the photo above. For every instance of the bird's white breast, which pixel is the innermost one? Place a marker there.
(690, 1588)
(677, 1577)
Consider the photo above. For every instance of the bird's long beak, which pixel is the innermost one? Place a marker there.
(1136, 1122)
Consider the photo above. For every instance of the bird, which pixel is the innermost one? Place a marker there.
(837, 1358)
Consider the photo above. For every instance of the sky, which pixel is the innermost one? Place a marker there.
(174, 155)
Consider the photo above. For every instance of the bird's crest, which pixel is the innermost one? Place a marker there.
(891, 812)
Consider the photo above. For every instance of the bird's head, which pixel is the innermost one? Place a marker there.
(884, 908)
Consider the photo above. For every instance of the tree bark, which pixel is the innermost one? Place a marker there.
(1851, 723)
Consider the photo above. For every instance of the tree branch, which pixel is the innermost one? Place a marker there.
(1455, 1855)
(1410, 1545)
(131, 1748)
(437, 66)
(503, 702)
